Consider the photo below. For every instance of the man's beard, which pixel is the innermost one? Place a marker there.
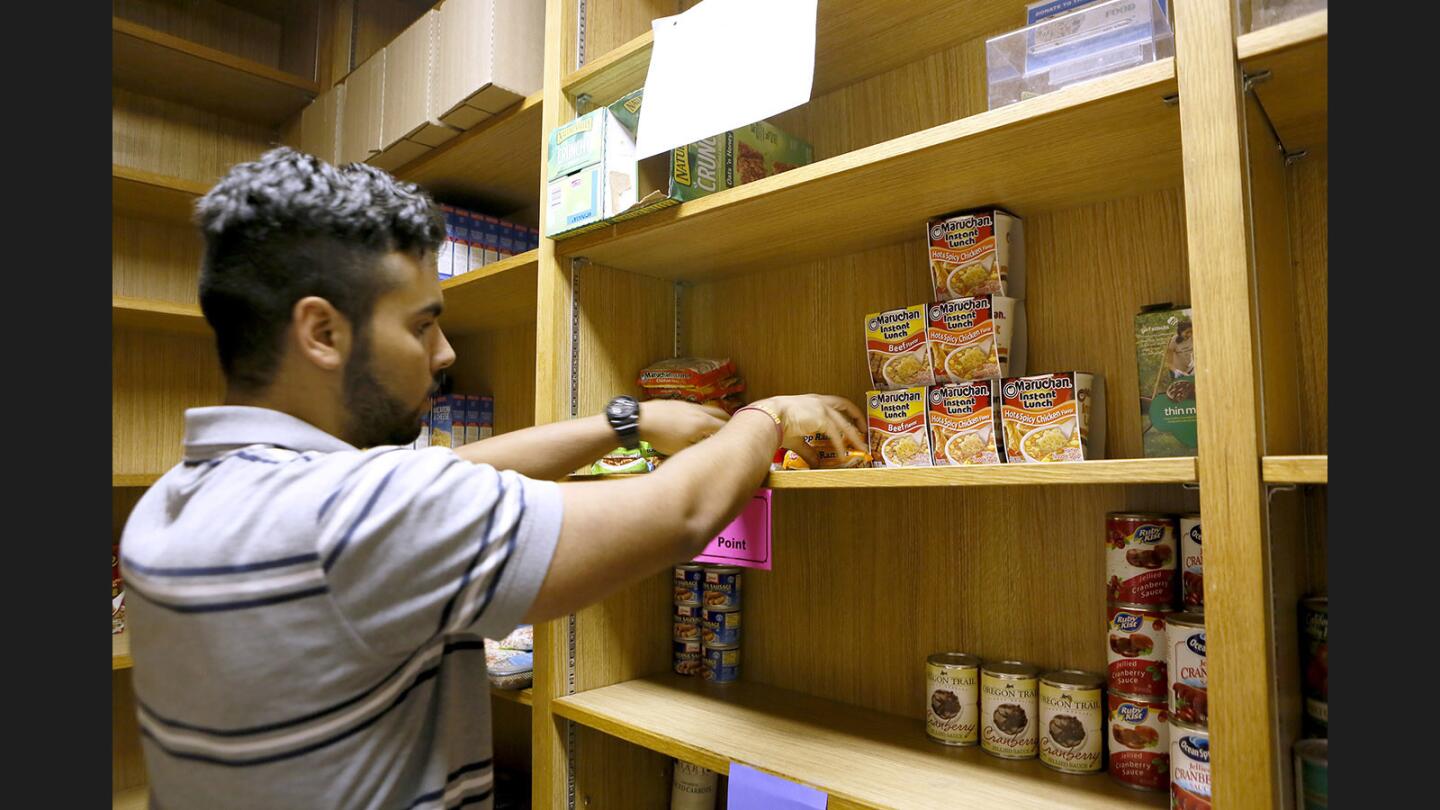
(375, 417)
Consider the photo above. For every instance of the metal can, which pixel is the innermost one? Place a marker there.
(1140, 559)
(693, 787)
(722, 587)
(952, 680)
(1312, 774)
(1008, 709)
(1189, 767)
(688, 657)
(1192, 565)
(1137, 652)
(1315, 658)
(720, 628)
(687, 622)
(722, 664)
(1185, 668)
(688, 582)
(1072, 721)
(1139, 741)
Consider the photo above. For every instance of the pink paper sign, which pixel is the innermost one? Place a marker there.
(746, 541)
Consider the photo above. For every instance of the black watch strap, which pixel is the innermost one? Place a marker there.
(623, 414)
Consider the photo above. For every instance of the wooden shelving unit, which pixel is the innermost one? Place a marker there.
(138, 193)
(1296, 469)
(1295, 87)
(496, 296)
(120, 651)
(134, 479)
(492, 166)
(1085, 473)
(140, 313)
(1128, 137)
(132, 799)
(861, 758)
(158, 64)
(524, 697)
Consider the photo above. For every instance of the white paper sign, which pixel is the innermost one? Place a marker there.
(722, 65)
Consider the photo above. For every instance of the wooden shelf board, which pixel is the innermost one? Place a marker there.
(144, 313)
(861, 757)
(493, 166)
(157, 64)
(1117, 471)
(525, 697)
(495, 296)
(120, 651)
(138, 193)
(1296, 96)
(854, 40)
(1296, 469)
(132, 799)
(1120, 139)
(134, 479)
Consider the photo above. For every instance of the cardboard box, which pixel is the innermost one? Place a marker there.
(491, 55)
(320, 132)
(472, 418)
(977, 252)
(441, 427)
(898, 435)
(979, 338)
(1165, 360)
(1053, 417)
(603, 182)
(360, 115)
(964, 422)
(409, 121)
(591, 172)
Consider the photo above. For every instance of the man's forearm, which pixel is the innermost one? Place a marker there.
(546, 452)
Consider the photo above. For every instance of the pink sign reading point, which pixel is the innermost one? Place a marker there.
(746, 541)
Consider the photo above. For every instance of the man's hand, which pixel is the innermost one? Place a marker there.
(807, 414)
(671, 425)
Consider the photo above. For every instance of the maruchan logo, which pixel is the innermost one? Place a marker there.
(1011, 389)
(1149, 535)
(961, 305)
(937, 232)
(1132, 714)
(874, 324)
(1196, 643)
(937, 396)
(874, 402)
(1041, 383)
(1128, 622)
(1196, 748)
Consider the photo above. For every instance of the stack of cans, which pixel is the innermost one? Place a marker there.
(707, 622)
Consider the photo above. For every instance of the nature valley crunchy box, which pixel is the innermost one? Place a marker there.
(1053, 417)
(897, 428)
(978, 338)
(977, 252)
(895, 348)
(964, 419)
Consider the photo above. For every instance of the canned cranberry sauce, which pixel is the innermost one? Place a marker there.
(1189, 767)
(952, 680)
(1140, 559)
(1137, 652)
(1139, 741)
(1072, 725)
(1186, 670)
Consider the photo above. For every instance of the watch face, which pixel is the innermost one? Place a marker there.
(621, 408)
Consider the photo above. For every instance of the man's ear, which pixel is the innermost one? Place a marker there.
(321, 334)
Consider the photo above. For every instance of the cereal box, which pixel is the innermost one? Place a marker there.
(897, 428)
(1053, 417)
(422, 441)
(440, 424)
(1165, 359)
(472, 418)
(975, 253)
(978, 338)
(487, 417)
(964, 423)
(895, 348)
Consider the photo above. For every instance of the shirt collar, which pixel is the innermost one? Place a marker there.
(212, 431)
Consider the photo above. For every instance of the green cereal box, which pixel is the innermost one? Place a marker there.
(1165, 359)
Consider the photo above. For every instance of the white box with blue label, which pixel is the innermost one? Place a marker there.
(592, 172)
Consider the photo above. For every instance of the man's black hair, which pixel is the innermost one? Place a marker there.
(290, 225)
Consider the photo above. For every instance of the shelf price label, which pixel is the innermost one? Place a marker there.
(753, 790)
(746, 541)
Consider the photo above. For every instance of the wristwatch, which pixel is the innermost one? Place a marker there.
(623, 414)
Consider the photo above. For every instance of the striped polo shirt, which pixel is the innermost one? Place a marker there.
(307, 618)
